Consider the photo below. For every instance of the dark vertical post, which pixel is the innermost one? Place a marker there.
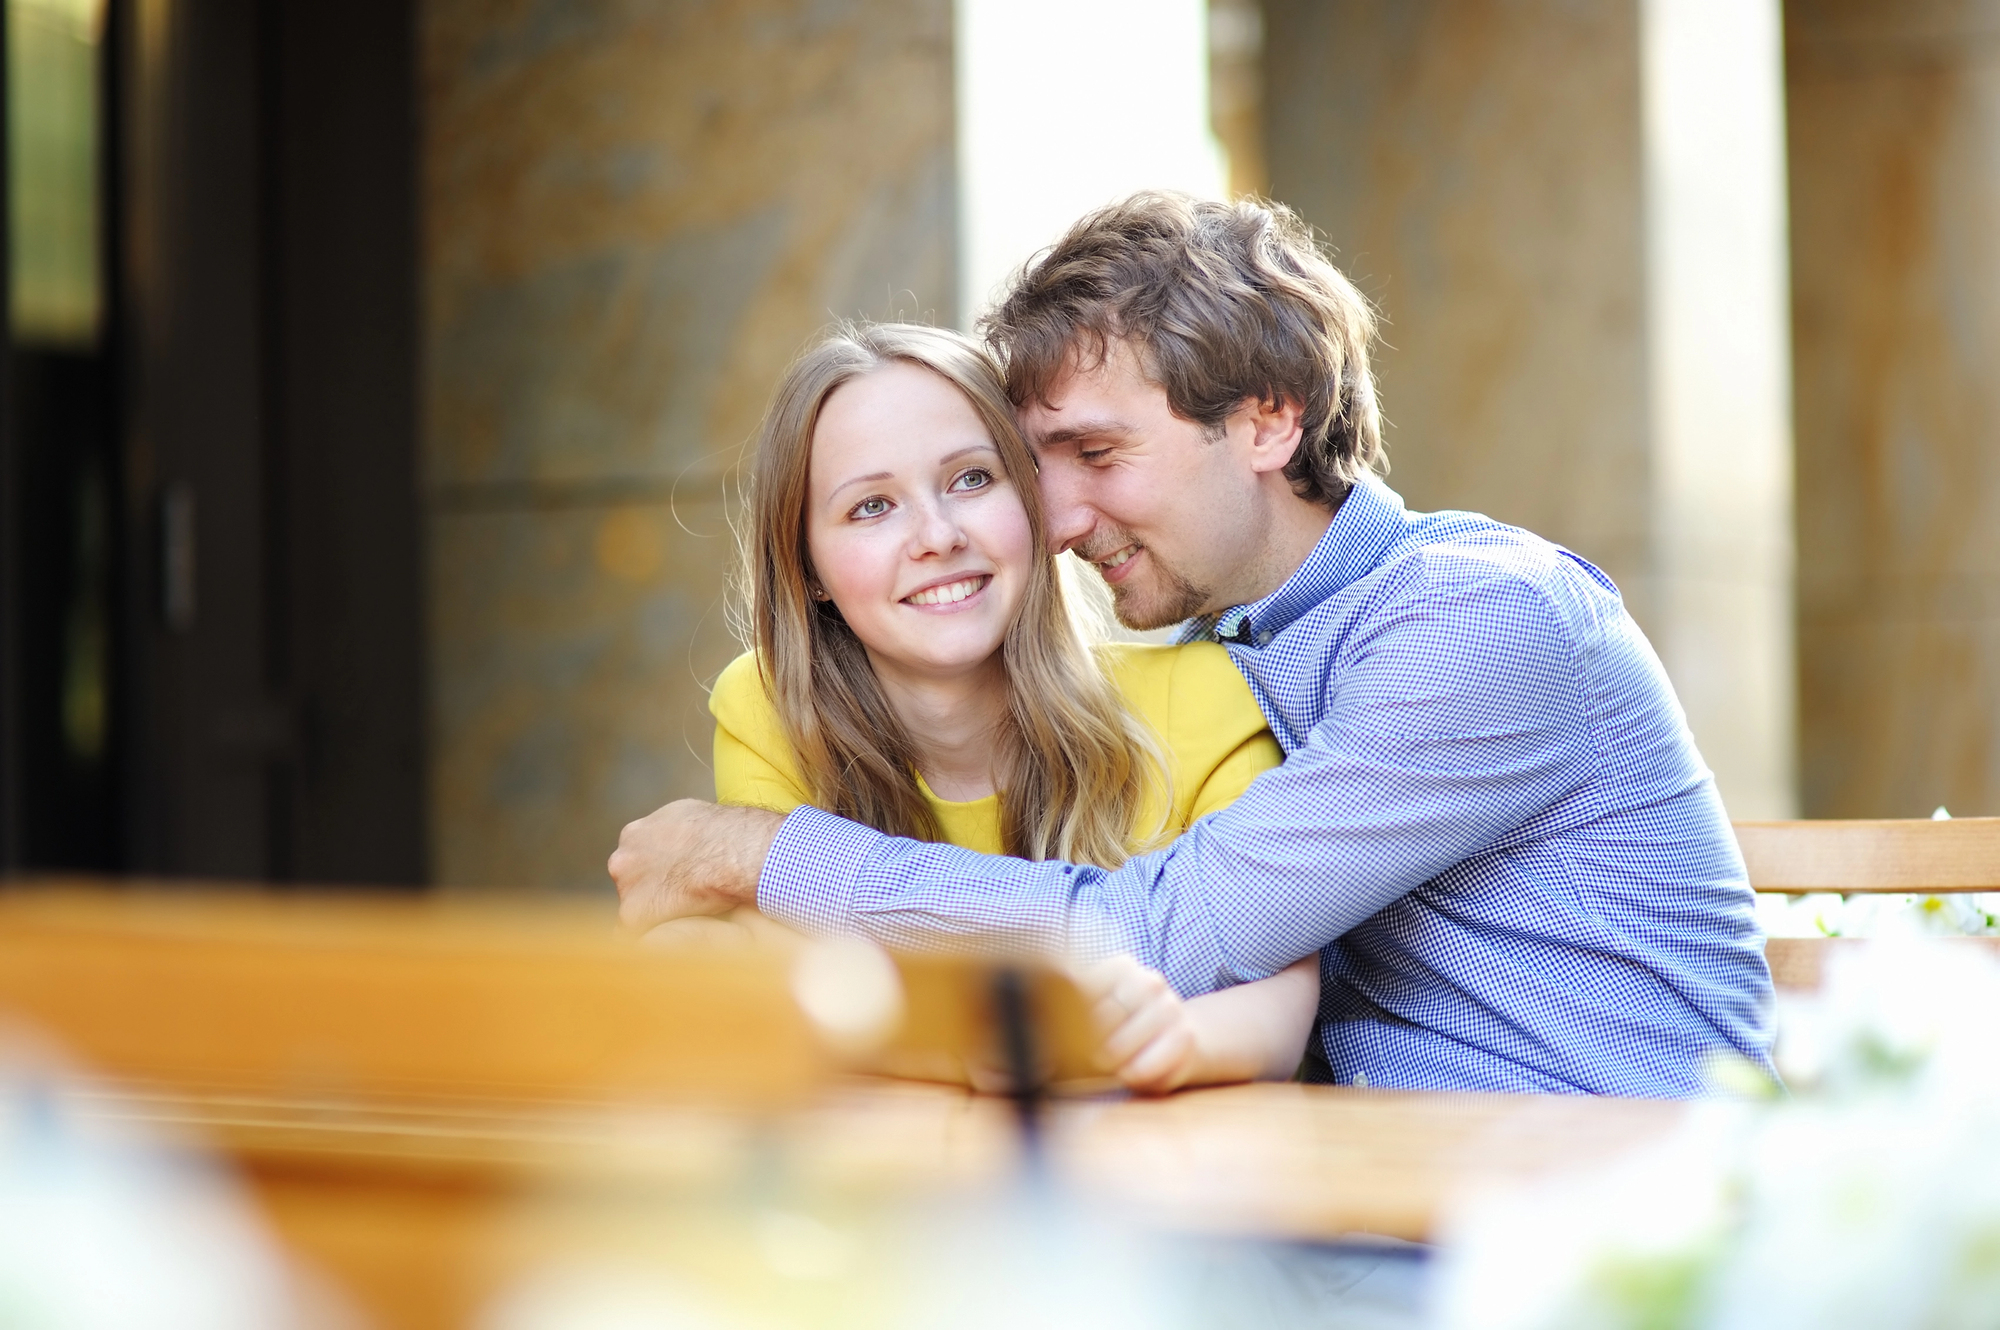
(279, 604)
(10, 599)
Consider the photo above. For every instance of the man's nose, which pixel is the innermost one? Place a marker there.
(1069, 517)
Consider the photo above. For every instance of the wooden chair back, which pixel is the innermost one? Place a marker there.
(348, 996)
(1897, 856)
(394, 996)
(1890, 856)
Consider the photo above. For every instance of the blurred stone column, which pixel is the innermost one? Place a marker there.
(1895, 169)
(634, 215)
(1572, 217)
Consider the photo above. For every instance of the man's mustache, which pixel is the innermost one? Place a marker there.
(1103, 547)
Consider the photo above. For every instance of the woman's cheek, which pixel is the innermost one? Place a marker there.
(1007, 536)
(860, 571)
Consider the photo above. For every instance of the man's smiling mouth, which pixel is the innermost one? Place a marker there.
(1118, 559)
(950, 593)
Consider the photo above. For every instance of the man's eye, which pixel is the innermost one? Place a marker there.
(976, 479)
(1093, 454)
(874, 507)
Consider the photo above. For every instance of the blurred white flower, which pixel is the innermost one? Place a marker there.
(116, 1234)
(1869, 1199)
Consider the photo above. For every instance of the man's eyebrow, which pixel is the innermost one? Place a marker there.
(1083, 429)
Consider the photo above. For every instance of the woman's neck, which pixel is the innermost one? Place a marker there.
(954, 722)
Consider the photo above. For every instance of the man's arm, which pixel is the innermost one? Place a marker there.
(689, 858)
(1455, 718)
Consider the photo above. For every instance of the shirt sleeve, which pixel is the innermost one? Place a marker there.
(1453, 716)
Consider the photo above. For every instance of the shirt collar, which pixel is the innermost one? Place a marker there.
(1369, 521)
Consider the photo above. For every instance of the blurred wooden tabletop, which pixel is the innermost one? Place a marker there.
(428, 1100)
(420, 1209)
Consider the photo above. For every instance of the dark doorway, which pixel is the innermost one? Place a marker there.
(211, 512)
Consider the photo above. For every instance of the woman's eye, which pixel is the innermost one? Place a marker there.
(976, 479)
(874, 507)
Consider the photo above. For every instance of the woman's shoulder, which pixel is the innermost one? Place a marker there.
(1186, 690)
(1200, 706)
(1178, 667)
(739, 699)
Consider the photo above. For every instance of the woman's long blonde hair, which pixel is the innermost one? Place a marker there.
(1073, 767)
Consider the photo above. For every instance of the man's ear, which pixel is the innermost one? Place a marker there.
(1275, 430)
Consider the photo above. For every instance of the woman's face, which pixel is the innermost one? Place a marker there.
(915, 532)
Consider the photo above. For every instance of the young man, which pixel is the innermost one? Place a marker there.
(1491, 823)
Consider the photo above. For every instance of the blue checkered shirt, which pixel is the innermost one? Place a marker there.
(1491, 823)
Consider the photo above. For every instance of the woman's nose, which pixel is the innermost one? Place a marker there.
(937, 531)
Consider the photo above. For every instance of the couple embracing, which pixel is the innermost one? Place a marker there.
(1411, 796)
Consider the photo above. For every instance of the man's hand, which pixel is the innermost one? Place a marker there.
(690, 858)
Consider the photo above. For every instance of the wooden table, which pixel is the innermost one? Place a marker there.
(433, 1101)
(421, 1209)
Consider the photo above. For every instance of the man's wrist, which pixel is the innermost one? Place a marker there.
(810, 869)
(752, 845)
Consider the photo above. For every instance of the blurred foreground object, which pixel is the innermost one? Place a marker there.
(1872, 1199)
(112, 1230)
(497, 1115)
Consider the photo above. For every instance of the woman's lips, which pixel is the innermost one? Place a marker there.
(946, 594)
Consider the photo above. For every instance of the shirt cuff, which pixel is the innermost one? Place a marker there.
(811, 871)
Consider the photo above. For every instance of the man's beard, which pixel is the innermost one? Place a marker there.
(1177, 597)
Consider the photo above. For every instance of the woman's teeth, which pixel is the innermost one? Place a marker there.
(950, 593)
(1118, 559)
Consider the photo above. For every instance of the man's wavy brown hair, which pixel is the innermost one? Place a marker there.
(1223, 302)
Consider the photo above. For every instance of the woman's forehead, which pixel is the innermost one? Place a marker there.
(901, 416)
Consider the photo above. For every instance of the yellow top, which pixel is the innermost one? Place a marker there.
(1216, 741)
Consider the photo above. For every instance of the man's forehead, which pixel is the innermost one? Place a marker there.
(1088, 382)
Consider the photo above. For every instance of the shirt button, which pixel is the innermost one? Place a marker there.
(1263, 639)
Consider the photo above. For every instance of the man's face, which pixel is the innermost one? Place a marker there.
(1164, 511)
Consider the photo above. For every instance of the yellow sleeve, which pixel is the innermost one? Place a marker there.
(753, 760)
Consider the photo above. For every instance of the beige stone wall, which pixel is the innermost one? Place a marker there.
(1476, 168)
(1895, 163)
(1494, 175)
(634, 214)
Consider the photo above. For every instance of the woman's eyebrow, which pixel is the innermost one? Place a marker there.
(874, 476)
(868, 479)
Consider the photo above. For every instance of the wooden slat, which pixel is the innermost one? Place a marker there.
(1798, 964)
(394, 996)
(398, 996)
(1917, 855)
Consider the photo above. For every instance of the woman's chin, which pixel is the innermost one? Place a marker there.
(944, 660)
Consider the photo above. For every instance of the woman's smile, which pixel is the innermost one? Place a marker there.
(950, 595)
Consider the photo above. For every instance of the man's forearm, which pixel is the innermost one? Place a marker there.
(690, 858)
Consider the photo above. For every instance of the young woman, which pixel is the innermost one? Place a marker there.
(916, 669)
